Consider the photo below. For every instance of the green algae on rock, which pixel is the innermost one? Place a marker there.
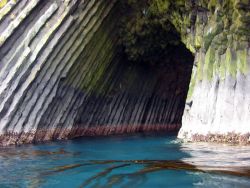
(219, 89)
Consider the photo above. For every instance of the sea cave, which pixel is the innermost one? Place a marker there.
(124, 93)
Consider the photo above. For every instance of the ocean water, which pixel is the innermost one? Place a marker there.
(135, 161)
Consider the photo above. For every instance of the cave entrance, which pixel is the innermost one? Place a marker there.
(144, 92)
(150, 42)
(155, 93)
(141, 97)
(144, 87)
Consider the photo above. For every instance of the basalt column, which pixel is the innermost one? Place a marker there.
(218, 104)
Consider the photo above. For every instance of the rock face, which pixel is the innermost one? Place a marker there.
(218, 101)
(62, 75)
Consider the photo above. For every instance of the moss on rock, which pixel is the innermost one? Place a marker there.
(209, 63)
(2, 3)
(218, 32)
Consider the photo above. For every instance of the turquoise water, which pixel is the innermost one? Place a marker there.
(126, 161)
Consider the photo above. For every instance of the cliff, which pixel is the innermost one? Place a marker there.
(218, 33)
(62, 75)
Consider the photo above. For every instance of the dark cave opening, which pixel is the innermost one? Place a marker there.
(149, 39)
(139, 96)
(146, 84)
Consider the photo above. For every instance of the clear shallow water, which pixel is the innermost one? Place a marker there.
(127, 161)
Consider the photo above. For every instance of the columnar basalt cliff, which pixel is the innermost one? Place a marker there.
(218, 104)
(62, 75)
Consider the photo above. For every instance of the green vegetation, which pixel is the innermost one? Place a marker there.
(147, 35)
(217, 32)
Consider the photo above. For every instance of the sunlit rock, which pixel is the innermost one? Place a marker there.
(220, 86)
